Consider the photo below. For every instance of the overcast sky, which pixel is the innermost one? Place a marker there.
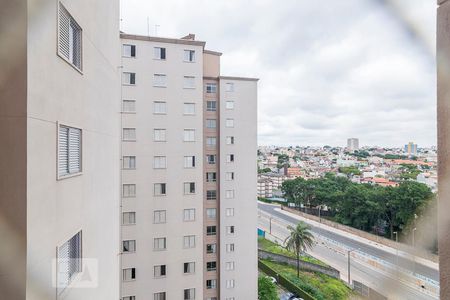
(328, 69)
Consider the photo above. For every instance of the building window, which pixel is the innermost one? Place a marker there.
(230, 229)
(159, 107)
(211, 266)
(159, 217)
(189, 135)
(229, 105)
(69, 151)
(211, 298)
(230, 212)
(160, 189)
(211, 213)
(229, 194)
(129, 190)
(230, 283)
(229, 176)
(129, 274)
(211, 230)
(211, 88)
(211, 123)
(189, 294)
(159, 135)
(211, 248)
(189, 55)
(229, 265)
(189, 109)
(189, 161)
(129, 246)
(189, 188)
(129, 218)
(189, 268)
(189, 82)
(69, 260)
(211, 177)
(159, 53)
(159, 271)
(159, 80)
(129, 78)
(230, 140)
(211, 159)
(230, 298)
(129, 298)
(229, 247)
(229, 123)
(159, 244)
(211, 105)
(129, 106)
(230, 158)
(129, 134)
(69, 38)
(211, 284)
(189, 241)
(211, 195)
(129, 50)
(159, 296)
(189, 215)
(129, 162)
(159, 162)
(229, 87)
(211, 141)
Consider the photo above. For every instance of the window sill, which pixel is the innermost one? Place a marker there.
(128, 84)
(160, 86)
(70, 63)
(128, 112)
(129, 224)
(69, 176)
(129, 141)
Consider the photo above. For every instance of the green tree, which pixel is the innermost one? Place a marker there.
(283, 161)
(300, 238)
(266, 289)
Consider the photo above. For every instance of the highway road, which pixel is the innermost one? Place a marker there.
(378, 280)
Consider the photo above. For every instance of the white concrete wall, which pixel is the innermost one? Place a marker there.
(58, 209)
(245, 187)
(144, 259)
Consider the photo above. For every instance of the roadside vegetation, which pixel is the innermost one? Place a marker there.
(267, 290)
(372, 208)
(272, 247)
(319, 286)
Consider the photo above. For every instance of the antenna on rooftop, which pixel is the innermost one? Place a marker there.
(148, 26)
(156, 29)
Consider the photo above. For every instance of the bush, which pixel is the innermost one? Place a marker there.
(266, 289)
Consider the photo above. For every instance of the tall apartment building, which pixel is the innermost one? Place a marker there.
(189, 174)
(410, 148)
(59, 150)
(352, 144)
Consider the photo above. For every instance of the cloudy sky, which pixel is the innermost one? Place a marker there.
(328, 69)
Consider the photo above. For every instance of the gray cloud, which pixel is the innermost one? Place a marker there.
(328, 71)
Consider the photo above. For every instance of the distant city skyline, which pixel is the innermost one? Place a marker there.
(326, 72)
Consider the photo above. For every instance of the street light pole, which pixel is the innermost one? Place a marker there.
(270, 225)
(414, 245)
(348, 264)
(396, 251)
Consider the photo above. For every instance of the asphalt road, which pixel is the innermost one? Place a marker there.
(366, 248)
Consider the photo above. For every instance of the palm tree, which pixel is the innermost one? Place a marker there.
(299, 240)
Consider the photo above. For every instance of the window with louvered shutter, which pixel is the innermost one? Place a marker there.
(69, 38)
(69, 261)
(69, 151)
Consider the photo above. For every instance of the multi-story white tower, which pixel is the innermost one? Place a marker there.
(189, 174)
(59, 153)
(352, 144)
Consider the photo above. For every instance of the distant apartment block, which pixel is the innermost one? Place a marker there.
(411, 148)
(59, 129)
(265, 188)
(352, 144)
(188, 174)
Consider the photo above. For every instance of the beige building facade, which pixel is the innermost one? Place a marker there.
(60, 132)
(189, 174)
(443, 123)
